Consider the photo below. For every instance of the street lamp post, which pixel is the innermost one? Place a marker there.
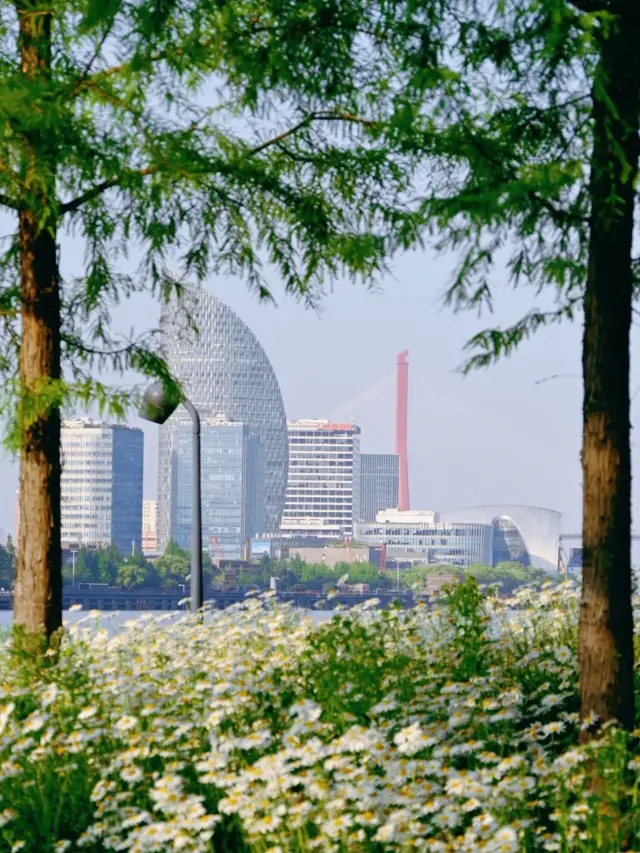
(74, 551)
(157, 407)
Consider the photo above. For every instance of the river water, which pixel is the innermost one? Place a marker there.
(114, 621)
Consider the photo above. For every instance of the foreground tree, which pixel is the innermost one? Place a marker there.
(232, 138)
(540, 142)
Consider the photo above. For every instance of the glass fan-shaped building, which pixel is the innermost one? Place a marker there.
(224, 372)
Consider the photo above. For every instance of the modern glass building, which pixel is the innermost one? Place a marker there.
(323, 489)
(419, 536)
(224, 371)
(529, 535)
(379, 473)
(233, 487)
(101, 488)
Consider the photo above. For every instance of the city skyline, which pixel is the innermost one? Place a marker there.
(226, 369)
(512, 419)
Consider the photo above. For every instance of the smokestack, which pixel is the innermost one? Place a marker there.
(402, 399)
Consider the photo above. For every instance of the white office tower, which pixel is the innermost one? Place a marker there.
(323, 488)
(101, 488)
(149, 527)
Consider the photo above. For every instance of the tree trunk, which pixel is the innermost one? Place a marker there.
(606, 619)
(38, 587)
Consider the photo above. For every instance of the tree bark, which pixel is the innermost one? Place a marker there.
(38, 587)
(606, 618)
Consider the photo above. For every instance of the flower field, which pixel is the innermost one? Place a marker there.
(451, 727)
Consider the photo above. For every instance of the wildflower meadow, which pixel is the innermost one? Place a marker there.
(450, 727)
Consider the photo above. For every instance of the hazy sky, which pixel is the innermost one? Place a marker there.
(510, 434)
(496, 436)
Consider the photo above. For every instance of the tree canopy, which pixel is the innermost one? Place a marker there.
(225, 138)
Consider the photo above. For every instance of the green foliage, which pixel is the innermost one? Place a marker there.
(507, 576)
(230, 139)
(10, 547)
(130, 575)
(317, 575)
(172, 570)
(7, 563)
(174, 550)
(509, 133)
(469, 622)
(417, 577)
(407, 703)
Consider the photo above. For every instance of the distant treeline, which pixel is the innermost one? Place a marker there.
(171, 571)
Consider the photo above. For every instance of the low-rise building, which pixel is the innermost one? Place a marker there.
(529, 535)
(332, 555)
(421, 535)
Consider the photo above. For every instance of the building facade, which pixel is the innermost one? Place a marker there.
(101, 485)
(379, 476)
(529, 535)
(420, 537)
(232, 468)
(323, 487)
(224, 371)
(149, 527)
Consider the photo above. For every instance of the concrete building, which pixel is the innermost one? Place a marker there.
(419, 537)
(233, 486)
(101, 487)
(379, 475)
(150, 527)
(332, 555)
(323, 487)
(281, 546)
(524, 534)
(223, 370)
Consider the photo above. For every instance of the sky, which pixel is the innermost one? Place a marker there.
(509, 434)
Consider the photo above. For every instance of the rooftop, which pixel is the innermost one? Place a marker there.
(90, 423)
(323, 425)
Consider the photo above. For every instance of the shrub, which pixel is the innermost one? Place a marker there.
(445, 728)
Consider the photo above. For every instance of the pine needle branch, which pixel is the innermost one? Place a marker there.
(109, 183)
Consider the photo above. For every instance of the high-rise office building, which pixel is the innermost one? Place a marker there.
(149, 527)
(101, 487)
(323, 489)
(224, 371)
(233, 486)
(379, 473)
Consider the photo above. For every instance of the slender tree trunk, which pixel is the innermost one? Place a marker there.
(38, 587)
(606, 619)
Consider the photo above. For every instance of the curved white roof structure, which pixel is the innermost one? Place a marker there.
(527, 534)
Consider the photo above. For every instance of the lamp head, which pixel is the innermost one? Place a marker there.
(158, 403)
